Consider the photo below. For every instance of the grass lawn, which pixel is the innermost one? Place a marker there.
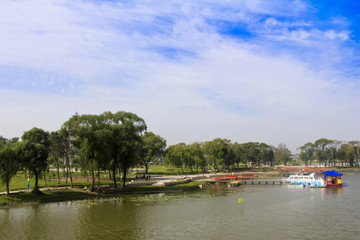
(170, 170)
(20, 182)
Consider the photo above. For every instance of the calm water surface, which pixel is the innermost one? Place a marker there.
(268, 212)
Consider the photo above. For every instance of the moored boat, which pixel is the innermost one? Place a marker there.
(333, 178)
(305, 180)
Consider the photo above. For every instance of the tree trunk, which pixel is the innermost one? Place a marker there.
(70, 175)
(36, 180)
(65, 173)
(93, 179)
(114, 170)
(7, 187)
(58, 172)
(146, 168)
(98, 177)
(124, 178)
(114, 176)
(45, 176)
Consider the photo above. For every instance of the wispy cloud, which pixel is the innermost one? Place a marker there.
(245, 70)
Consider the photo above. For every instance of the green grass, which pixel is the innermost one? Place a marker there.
(46, 196)
(170, 170)
(20, 182)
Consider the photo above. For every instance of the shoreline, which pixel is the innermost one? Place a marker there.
(72, 194)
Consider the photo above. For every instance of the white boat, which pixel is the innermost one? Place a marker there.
(306, 180)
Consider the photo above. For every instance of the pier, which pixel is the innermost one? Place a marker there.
(253, 182)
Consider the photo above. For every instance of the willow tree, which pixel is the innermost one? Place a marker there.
(33, 156)
(153, 145)
(107, 140)
(320, 149)
(87, 133)
(128, 139)
(196, 151)
(9, 164)
(175, 155)
(34, 151)
(282, 154)
(307, 153)
(216, 152)
(123, 140)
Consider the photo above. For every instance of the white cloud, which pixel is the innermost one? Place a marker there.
(115, 57)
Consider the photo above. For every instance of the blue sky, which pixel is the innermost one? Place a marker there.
(246, 70)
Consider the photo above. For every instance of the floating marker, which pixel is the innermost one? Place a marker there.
(240, 200)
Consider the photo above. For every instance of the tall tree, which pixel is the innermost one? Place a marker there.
(307, 153)
(55, 151)
(321, 145)
(355, 145)
(34, 152)
(282, 154)
(239, 153)
(196, 151)
(153, 146)
(9, 164)
(252, 152)
(332, 152)
(216, 151)
(125, 139)
(33, 156)
(267, 154)
(175, 155)
(39, 136)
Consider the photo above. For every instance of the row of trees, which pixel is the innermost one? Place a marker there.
(105, 142)
(114, 142)
(331, 152)
(222, 154)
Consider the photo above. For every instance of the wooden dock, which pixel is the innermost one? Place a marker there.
(247, 182)
(266, 182)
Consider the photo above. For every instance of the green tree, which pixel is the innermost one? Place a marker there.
(175, 155)
(87, 131)
(343, 153)
(332, 152)
(252, 153)
(196, 151)
(153, 146)
(125, 134)
(282, 154)
(320, 152)
(267, 154)
(39, 136)
(2, 141)
(239, 153)
(9, 164)
(307, 153)
(33, 156)
(216, 151)
(55, 151)
(355, 149)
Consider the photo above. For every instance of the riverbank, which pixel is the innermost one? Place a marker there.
(71, 194)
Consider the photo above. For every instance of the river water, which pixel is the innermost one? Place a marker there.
(267, 212)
